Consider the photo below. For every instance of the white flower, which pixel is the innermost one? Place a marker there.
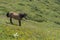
(15, 35)
(48, 31)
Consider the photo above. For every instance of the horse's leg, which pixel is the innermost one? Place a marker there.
(11, 20)
(19, 22)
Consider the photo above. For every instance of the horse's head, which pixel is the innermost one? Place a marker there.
(25, 15)
(7, 14)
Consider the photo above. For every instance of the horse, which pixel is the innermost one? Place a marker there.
(16, 16)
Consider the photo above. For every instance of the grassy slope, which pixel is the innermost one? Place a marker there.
(29, 30)
(41, 10)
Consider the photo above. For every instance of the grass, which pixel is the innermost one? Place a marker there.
(43, 20)
(30, 30)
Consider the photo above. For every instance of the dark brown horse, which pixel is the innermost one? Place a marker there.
(16, 16)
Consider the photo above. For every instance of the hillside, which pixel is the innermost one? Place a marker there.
(43, 20)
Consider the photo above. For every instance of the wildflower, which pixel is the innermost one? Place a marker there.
(15, 35)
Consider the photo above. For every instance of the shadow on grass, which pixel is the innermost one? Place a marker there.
(12, 24)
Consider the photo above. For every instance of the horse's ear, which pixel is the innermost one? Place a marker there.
(7, 14)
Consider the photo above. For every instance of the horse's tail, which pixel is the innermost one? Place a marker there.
(7, 14)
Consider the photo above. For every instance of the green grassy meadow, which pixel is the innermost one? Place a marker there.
(43, 20)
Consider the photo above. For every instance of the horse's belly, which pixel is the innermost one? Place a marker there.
(16, 17)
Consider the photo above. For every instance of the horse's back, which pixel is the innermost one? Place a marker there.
(15, 15)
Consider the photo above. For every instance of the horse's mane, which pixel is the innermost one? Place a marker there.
(22, 15)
